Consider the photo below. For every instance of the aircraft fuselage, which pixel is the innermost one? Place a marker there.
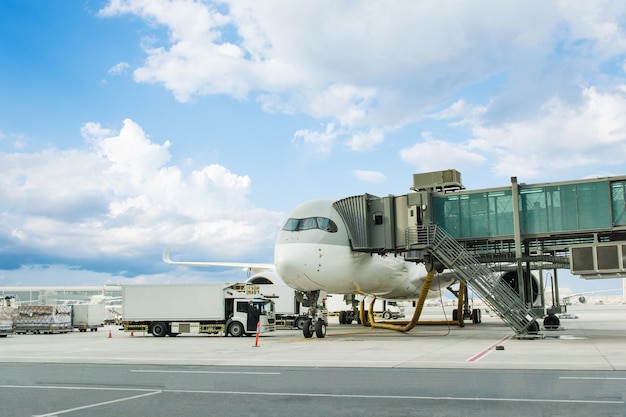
(313, 252)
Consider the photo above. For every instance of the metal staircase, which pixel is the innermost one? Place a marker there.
(501, 298)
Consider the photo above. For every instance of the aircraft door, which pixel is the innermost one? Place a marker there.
(415, 216)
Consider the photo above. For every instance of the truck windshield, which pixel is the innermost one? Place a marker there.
(266, 308)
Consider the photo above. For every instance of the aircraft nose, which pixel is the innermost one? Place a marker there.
(285, 262)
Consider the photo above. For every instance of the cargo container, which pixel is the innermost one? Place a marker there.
(87, 317)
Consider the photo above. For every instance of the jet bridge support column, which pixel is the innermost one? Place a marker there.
(517, 234)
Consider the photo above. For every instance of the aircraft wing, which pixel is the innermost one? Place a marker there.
(581, 294)
(253, 267)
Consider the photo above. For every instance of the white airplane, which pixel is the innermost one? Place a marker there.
(567, 296)
(313, 254)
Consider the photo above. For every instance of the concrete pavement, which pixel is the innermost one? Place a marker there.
(594, 341)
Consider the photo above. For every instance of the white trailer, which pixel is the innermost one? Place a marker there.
(88, 317)
(172, 309)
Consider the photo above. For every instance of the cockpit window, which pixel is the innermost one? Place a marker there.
(326, 224)
(291, 225)
(309, 223)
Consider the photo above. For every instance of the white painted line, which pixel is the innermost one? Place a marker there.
(396, 397)
(79, 388)
(84, 407)
(149, 392)
(595, 378)
(141, 371)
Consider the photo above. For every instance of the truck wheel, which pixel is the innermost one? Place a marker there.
(159, 329)
(300, 321)
(235, 329)
(387, 315)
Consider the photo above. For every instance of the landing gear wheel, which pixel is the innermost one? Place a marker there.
(342, 317)
(320, 329)
(455, 315)
(476, 316)
(235, 329)
(307, 330)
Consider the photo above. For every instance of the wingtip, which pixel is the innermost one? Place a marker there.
(166, 255)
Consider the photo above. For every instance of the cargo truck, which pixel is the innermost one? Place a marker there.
(172, 309)
(88, 317)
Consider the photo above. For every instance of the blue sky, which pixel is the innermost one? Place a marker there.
(129, 126)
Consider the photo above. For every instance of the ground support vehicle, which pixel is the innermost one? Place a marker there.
(43, 319)
(287, 307)
(8, 311)
(87, 317)
(172, 309)
(385, 309)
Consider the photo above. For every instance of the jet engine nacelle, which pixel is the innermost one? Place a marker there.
(582, 299)
(511, 279)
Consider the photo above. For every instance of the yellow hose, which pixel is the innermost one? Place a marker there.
(416, 314)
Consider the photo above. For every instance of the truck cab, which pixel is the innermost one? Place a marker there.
(247, 313)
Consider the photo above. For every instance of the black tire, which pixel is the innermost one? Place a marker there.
(236, 329)
(455, 315)
(476, 316)
(342, 317)
(387, 315)
(533, 327)
(307, 329)
(300, 321)
(551, 322)
(159, 329)
(320, 329)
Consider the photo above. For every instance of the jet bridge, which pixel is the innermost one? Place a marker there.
(576, 225)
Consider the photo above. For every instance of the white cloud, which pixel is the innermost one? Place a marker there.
(370, 176)
(366, 141)
(366, 64)
(564, 138)
(119, 68)
(322, 141)
(119, 198)
(433, 155)
(529, 87)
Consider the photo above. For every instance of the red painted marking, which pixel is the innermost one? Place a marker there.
(483, 352)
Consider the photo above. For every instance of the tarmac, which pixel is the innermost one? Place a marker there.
(596, 340)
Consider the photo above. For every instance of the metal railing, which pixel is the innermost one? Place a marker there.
(481, 279)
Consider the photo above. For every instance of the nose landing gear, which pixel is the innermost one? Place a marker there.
(316, 323)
